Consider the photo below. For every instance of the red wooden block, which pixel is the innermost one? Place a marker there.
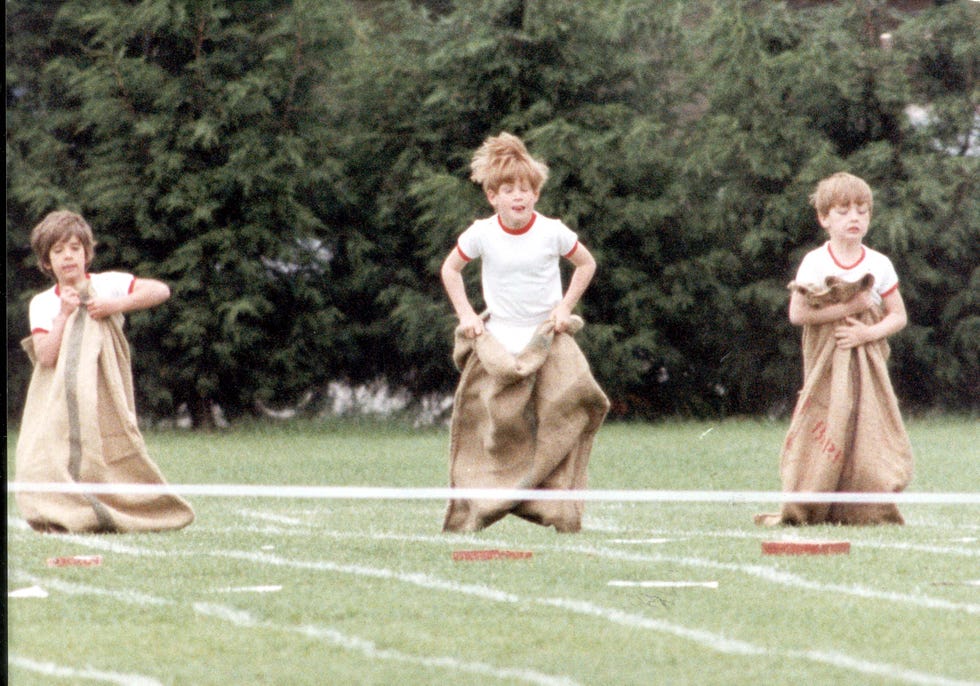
(806, 547)
(476, 555)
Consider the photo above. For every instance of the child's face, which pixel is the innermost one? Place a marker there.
(68, 261)
(514, 202)
(847, 222)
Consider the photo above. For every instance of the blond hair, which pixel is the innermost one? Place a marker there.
(841, 189)
(504, 159)
(56, 227)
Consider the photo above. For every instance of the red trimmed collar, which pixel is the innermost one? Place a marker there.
(840, 264)
(523, 229)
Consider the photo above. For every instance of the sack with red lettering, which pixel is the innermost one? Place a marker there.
(846, 434)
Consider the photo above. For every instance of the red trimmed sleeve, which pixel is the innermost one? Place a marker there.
(890, 291)
(466, 258)
(572, 251)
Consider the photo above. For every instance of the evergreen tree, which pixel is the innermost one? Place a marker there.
(297, 171)
(580, 82)
(189, 134)
(934, 224)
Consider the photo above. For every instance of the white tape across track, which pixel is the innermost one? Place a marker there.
(392, 493)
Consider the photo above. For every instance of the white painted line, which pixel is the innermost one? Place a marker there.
(879, 669)
(50, 669)
(29, 592)
(272, 517)
(243, 618)
(248, 589)
(663, 584)
(640, 541)
(776, 576)
(768, 574)
(386, 493)
(762, 534)
(707, 639)
(369, 649)
(124, 596)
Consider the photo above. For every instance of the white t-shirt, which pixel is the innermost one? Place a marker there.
(520, 272)
(46, 305)
(818, 264)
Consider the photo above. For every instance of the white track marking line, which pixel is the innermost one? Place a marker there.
(369, 649)
(415, 578)
(50, 669)
(769, 574)
(272, 517)
(765, 573)
(776, 576)
(242, 618)
(879, 669)
(29, 592)
(919, 548)
(72, 588)
(717, 642)
(792, 535)
(710, 640)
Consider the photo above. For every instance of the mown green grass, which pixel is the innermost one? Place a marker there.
(370, 594)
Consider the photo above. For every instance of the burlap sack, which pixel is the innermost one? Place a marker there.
(525, 422)
(846, 434)
(79, 425)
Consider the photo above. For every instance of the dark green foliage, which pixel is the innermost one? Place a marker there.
(297, 171)
(188, 134)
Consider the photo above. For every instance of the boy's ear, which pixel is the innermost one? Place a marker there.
(822, 219)
(490, 195)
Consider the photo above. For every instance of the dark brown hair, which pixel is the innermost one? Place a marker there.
(56, 227)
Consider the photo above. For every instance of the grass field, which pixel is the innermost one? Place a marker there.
(287, 591)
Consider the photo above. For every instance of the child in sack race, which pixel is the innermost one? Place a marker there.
(846, 434)
(527, 408)
(79, 422)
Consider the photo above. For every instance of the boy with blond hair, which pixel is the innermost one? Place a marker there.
(843, 203)
(527, 408)
(846, 434)
(519, 248)
(79, 422)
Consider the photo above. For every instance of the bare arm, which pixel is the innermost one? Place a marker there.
(48, 343)
(852, 333)
(801, 314)
(452, 280)
(146, 293)
(581, 278)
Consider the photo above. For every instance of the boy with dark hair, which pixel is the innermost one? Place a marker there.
(79, 421)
